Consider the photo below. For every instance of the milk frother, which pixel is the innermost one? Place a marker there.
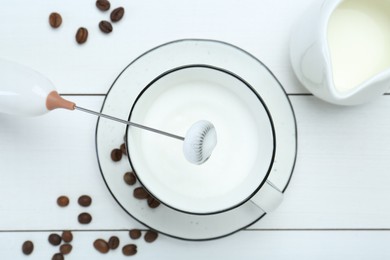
(26, 92)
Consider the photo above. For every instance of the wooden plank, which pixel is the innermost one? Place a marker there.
(274, 245)
(44, 157)
(341, 178)
(260, 27)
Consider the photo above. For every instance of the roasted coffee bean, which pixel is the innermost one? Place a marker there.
(103, 5)
(58, 256)
(113, 242)
(150, 236)
(67, 236)
(27, 247)
(140, 193)
(84, 200)
(101, 246)
(153, 203)
(129, 250)
(81, 35)
(65, 249)
(54, 239)
(63, 201)
(106, 27)
(55, 20)
(130, 178)
(116, 155)
(117, 14)
(135, 233)
(85, 218)
(123, 149)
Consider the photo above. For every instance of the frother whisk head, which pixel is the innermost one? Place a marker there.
(199, 142)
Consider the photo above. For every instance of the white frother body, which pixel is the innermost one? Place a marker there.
(23, 91)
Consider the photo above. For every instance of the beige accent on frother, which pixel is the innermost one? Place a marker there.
(54, 101)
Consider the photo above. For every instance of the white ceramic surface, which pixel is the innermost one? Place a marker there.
(148, 67)
(340, 50)
(241, 160)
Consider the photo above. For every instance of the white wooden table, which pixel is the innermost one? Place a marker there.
(336, 206)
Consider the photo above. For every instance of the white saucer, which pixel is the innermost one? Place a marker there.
(144, 70)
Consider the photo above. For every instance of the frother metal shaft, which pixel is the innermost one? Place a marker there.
(129, 123)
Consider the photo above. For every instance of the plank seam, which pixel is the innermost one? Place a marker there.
(247, 230)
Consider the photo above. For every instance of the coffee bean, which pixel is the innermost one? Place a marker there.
(153, 203)
(101, 246)
(54, 239)
(81, 35)
(116, 155)
(58, 256)
(123, 149)
(63, 201)
(135, 233)
(105, 26)
(27, 247)
(85, 218)
(113, 242)
(65, 249)
(117, 14)
(55, 20)
(103, 5)
(140, 193)
(130, 178)
(84, 200)
(129, 250)
(67, 236)
(150, 236)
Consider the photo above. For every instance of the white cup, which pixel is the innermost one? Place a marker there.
(340, 50)
(240, 165)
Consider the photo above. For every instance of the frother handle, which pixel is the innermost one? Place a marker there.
(268, 198)
(26, 92)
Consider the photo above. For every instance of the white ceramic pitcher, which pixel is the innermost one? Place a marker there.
(340, 50)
